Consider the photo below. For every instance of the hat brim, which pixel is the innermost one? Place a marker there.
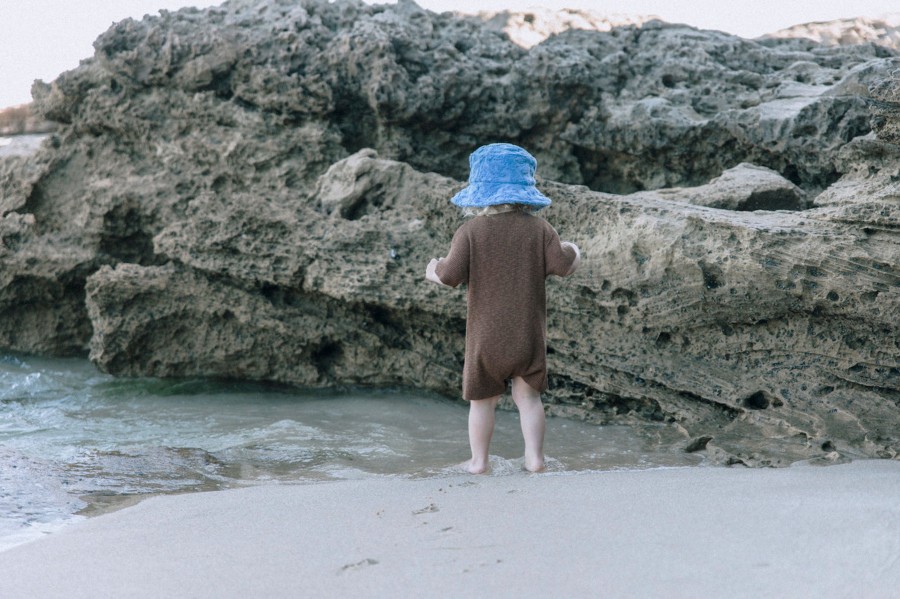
(480, 195)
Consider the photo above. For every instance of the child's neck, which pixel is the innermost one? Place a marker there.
(503, 208)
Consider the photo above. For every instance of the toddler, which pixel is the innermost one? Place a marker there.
(503, 255)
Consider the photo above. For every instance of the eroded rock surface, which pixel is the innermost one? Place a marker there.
(739, 326)
(883, 31)
(745, 187)
(530, 27)
(629, 109)
(254, 190)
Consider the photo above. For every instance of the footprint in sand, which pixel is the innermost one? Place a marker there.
(429, 509)
(361, 564)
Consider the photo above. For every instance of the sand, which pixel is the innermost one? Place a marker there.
(803, 531)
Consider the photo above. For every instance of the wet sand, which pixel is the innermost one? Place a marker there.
(803, 531)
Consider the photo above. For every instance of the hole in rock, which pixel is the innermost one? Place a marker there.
(775, 199)
(326, 355)
(572, 392)
(785, 285)
(814, 271)
(792, 174)
(621, 294)
(639, 255)
(372, 200)
(34, 202)
(282, 297)
(390, 326)
(822, 391)
(221, 86)
(757, 401)
(225, 184)
(462, 45)
(854, 341)
(125, 236)
(356, 122)
(605, 171)
(713, 277)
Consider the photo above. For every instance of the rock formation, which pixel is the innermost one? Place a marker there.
(745, 187)
(847, 32)
(253, 191)
(529, 28)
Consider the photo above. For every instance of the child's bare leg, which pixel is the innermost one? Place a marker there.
(531, 415)
(481, 428)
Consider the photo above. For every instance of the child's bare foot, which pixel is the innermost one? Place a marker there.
(535, 464)
(473, 467)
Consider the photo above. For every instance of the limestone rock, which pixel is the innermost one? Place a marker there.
(744, 187)
(292, 286)
(766, 331)
(424, 88)
(41, 289)
(883, 31)
(885, 95)
(254, 190)
(531, 27)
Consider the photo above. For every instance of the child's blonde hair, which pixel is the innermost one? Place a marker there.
(497, 209)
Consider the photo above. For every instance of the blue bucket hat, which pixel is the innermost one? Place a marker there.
(501, 174)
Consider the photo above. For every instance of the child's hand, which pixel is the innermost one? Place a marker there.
(430, 274)
(577, 256)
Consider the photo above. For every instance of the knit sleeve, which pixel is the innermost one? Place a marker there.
(558, 259)
(454, 269)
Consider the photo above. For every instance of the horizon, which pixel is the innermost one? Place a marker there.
(26, 25)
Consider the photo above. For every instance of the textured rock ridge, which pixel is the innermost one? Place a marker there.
(763, 330)
(625, 110)
(253, 191)
(745, 187)
(846, 32)
(531, 27)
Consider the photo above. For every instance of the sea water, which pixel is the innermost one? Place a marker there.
(75, 442)
(20, 145)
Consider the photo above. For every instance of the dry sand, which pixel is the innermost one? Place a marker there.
(797, 532)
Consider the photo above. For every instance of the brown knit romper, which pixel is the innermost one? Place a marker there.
(504, 258)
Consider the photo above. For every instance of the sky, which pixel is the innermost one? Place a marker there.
(39, 39)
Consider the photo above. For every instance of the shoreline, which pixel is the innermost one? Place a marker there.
(675, 532)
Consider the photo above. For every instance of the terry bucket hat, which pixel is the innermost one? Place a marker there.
(501, 174)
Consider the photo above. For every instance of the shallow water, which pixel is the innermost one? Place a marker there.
(76, 442)
(20, 145)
